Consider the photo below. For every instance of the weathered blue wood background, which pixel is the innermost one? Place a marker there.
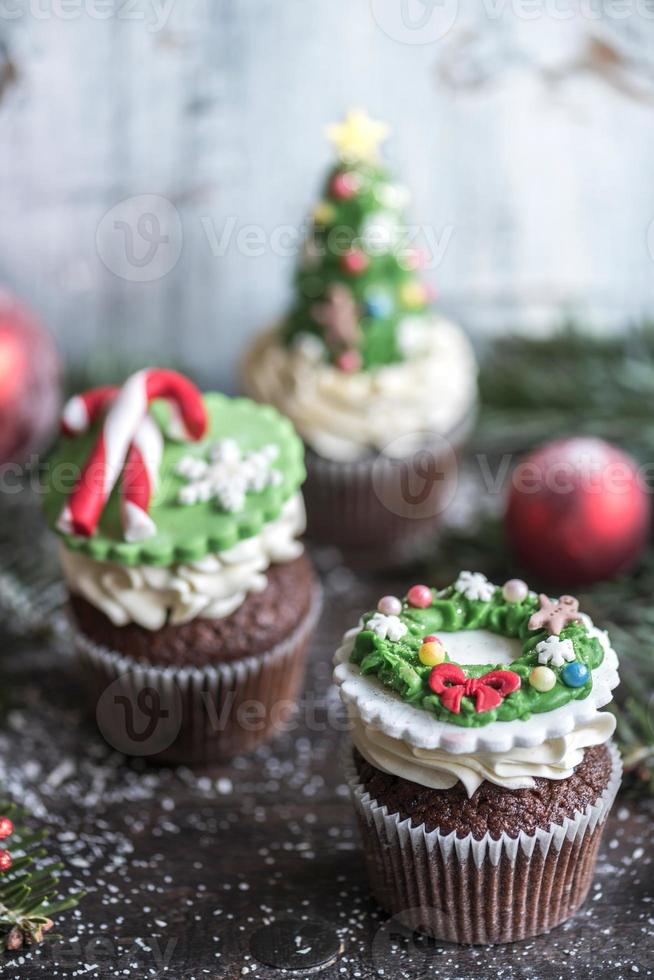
(526, 136)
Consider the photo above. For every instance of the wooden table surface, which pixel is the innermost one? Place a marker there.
(183, 868)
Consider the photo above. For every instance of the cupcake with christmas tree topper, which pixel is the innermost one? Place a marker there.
(380, 387)
(180, 516)
(482, 771)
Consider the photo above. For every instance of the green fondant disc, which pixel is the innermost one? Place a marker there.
(184, 532)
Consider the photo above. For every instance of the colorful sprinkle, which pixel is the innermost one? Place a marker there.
(390, 605)
(349, 361)
(379, 304)
(432, 652)
(515, 590)
(575, 674)
(419, 596)
(354, 262)
(542, 679)
(413, 295)
(324, 213)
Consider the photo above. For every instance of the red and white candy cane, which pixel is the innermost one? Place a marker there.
(140, 477)
(141, 471)
(81, 411)
(127, 410)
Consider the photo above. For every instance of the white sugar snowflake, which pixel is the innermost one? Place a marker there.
(228, 474)
(391, 195)
(379, 233)
(555, 651)
(387, 627)
(474, 585)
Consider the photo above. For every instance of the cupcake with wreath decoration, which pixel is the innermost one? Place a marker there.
(180, 516)
(482, 769)
(381, 388)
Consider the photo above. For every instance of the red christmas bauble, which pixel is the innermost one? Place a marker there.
(29, 381)
(578, 511)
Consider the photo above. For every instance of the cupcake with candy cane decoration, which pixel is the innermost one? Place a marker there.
(180, 516)
(482, 770)
(380, 386)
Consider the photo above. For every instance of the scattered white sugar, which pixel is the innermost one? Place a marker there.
(116, 827)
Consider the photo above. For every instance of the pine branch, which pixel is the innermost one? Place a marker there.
(30, 890)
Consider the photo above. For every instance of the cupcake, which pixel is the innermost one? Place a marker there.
(482, 769)
(381, 388)
(192, 599)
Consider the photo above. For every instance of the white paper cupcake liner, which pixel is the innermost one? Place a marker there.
(485, 891)
(195, 715)
(364, 507)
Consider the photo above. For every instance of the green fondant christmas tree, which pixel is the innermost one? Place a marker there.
(358, 294)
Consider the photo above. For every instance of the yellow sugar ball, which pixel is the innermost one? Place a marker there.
(323, 213)
(542, 679)
(431, 653)
(413, 294)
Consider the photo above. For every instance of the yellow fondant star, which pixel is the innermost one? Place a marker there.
(358, 137)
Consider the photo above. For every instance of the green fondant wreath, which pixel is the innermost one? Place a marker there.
(398, 646)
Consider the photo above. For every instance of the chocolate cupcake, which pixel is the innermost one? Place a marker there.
(191, 596)
(381, 388)
(482, 770)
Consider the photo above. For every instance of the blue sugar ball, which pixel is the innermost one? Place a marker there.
(379, 305)
(575, 674)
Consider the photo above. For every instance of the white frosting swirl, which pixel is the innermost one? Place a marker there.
(210, 588)
(344, 416)
(407, 741)
(515, 769)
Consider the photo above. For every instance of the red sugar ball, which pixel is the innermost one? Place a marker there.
(354, 262)
(419, 596)
(344, 186)
(5, 860)
(6, 827)
(349, 361)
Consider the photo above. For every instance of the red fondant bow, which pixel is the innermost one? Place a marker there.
(489, 690)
